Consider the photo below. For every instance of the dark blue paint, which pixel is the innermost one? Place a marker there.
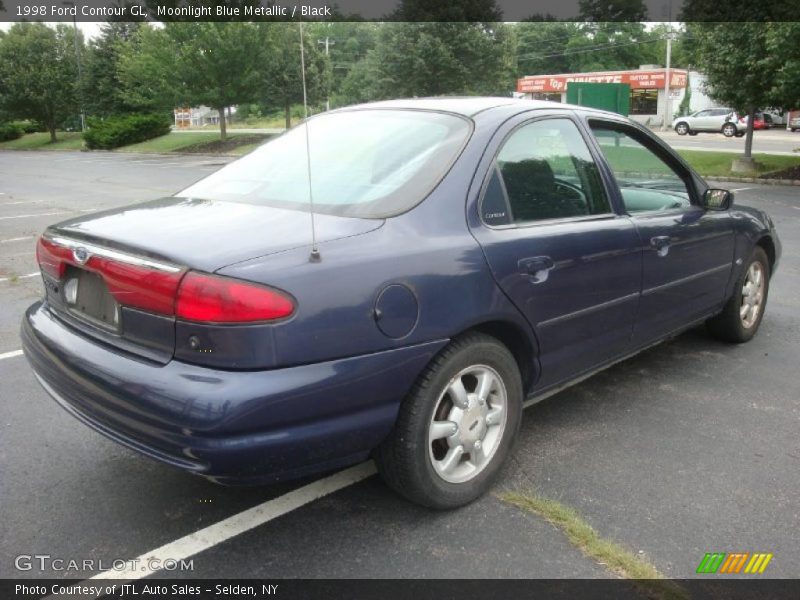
(323, 388)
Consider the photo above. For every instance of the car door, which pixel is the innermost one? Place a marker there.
(687, 251)
(702, 121)
(557, 249)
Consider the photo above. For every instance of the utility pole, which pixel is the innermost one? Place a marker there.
(667, 121)
(327, 43)
(78, 59)
(667, 91)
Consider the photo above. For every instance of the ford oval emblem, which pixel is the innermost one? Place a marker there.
(81, 255)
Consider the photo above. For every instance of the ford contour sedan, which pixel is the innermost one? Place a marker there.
(394, 280)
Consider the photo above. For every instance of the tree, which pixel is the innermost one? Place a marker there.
(219, 64)
(38, 73)
(102, 90)
(282, 78)
(147, 67)
(348, 44)
(749, 66)
(214, 64)
(432, 59)
(541, 45)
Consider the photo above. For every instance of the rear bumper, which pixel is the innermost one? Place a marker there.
(230, 426)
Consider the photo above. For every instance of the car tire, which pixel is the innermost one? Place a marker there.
(445, 472)
(729, 130)
(793, 129)
(736, 323)
(682, 128)
(693, 132)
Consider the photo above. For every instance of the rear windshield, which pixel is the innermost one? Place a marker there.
(364, 163)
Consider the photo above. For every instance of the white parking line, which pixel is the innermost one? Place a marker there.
(47, 214)
(17, 239)
(239, 523)
(28, 276)
(11, 354)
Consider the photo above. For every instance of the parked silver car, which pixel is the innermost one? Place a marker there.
(794, 124)
(716, 120)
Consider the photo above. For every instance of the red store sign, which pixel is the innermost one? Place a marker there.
(636, 79)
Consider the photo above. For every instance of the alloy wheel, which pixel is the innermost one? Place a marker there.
(752, 295)
(468, 423)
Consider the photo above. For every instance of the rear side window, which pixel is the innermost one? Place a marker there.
(364, 163)
(543, 171)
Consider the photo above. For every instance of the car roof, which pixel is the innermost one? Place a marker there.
(469, 106)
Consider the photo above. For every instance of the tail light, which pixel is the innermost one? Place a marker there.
(213, 299)
(132, 281)
(166, 289)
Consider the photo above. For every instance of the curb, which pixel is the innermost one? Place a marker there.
(788, 182)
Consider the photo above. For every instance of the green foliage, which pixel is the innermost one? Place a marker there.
(433, 59)
(686, 101)
(114, 132)
(102, 92)
(281, 80)
(10, 131)
(348, 44)
(28, 126)
(146, 69)
(195, 63)
(38, 73)
(750, 65)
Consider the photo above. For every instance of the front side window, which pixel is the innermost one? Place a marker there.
(544, 171)
(364, 163)
(646, 182)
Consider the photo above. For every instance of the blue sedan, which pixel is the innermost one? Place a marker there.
(394, 280)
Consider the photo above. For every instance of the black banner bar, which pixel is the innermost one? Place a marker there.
(713, 587)
(394, 10)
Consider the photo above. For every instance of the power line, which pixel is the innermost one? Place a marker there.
(589, 49)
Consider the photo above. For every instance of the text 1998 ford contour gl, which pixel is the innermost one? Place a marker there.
(474, 254)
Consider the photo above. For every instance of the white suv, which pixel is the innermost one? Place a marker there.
(717, 120)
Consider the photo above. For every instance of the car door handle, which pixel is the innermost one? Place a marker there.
(538, 267)
(661, 244)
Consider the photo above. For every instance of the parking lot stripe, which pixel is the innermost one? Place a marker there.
(28, 276)
(17, 239)
(11, 354)
(47, 214)
(239, 523)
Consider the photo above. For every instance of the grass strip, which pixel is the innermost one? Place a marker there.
(613, 556)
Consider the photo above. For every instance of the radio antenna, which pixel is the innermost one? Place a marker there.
(315, 256)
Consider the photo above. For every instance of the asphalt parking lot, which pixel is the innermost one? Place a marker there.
(690, 447)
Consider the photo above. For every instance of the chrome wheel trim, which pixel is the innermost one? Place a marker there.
(467, 424)
(752, 295)
(682, 129)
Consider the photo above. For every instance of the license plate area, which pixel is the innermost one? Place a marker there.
(86, 296)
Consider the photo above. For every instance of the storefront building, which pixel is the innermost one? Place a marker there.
(648, 96)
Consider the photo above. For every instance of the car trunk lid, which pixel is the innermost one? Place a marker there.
(208, 235)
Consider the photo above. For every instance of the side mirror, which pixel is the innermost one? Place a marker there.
(717, 199)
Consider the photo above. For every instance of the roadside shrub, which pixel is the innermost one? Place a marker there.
(29, 126)
(114, 132)
(10, 131)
